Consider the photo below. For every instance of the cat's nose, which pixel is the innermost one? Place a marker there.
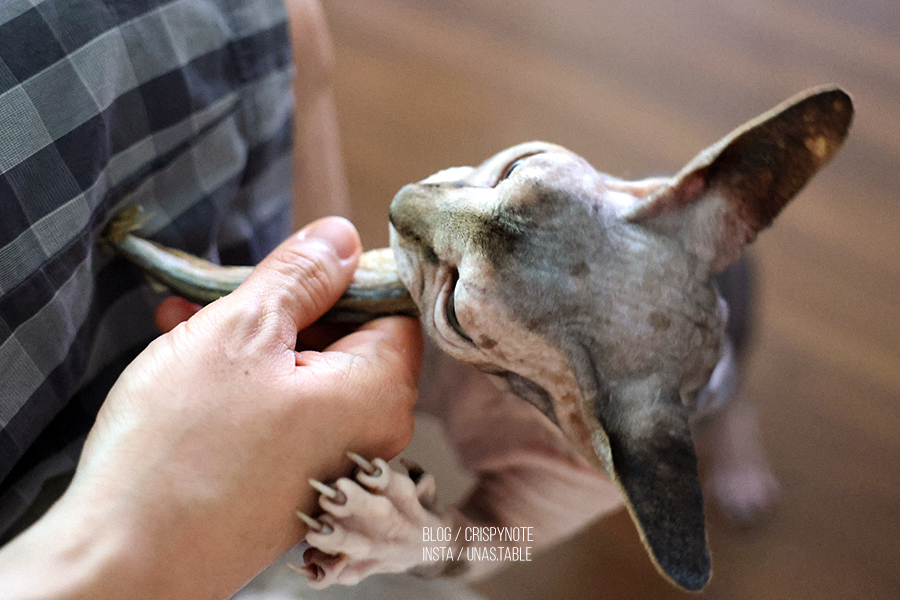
(411, 210)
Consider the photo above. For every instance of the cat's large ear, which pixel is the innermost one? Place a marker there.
(646, 446)
(736, 187)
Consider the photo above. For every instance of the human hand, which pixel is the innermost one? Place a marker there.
(201, 453)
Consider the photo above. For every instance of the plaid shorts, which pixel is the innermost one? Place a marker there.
(180, 106)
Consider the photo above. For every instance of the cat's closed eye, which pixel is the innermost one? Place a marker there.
(509, 170)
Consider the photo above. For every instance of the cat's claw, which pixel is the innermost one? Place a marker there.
(313, 524)
(367, 467)
(371, 522)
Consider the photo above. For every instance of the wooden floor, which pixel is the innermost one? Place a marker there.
(638, 88)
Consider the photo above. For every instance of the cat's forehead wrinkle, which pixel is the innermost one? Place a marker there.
(548, 224)
(561, 171)
(635, 293)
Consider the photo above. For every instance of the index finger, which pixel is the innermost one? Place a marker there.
(394, 344)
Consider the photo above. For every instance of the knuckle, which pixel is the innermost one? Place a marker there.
(304, 275)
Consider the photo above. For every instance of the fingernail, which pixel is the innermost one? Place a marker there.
(337, 233)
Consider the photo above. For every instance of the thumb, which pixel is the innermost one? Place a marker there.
(307, 273)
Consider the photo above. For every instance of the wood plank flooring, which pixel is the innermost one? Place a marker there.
(637, 88)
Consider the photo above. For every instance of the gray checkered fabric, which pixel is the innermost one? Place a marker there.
(180, 106)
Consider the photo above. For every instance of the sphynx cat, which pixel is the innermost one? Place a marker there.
(600, 307)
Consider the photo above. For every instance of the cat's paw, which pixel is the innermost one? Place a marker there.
(371, 523)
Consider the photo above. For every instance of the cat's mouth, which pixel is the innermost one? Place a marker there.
(444, 316)
(433, 286)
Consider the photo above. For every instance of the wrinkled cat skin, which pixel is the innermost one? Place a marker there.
(593, 299)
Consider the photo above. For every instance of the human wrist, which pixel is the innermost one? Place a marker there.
(72, 552)
(91, 547)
